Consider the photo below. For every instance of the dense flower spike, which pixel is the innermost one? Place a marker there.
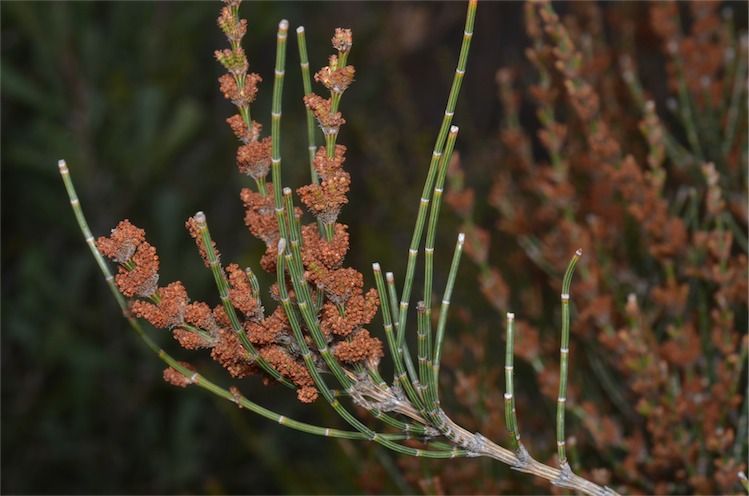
(270, 330)
(289, 367)
(362, 347)
(342, 40)
(235, 61)
(335, 78)
(243, 95)
(259, 217)
(139, 264)
(176, 378)
(253, 158)
(319, 250)
(229, 352)
(240, 129)
(233, 28)
(326, 199)
(241, 292)
(121, 244)
(170, 309)
(330, 122)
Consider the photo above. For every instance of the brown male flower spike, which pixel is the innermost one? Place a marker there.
(253, 158)
(326, 199)
(335, 78)
(342, 40)
(139, 263)
(233, 28)
(170, 309)
(122, 242)
(329, 122)
(243, 96)
(235, 60)
(175, 378)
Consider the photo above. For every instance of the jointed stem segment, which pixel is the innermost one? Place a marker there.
(307, 83)
(443, 314)
(436, 155)
(510, 413)
(564, 352)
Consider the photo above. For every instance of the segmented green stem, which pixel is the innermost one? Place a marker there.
(320, 383)
(403, 350)
(283, 28)
(254, 284)
(296, 267)
(436, 154)
(564, 351)
(307, 83)
(223, 289)
(421, 341)
(193, 376)
(335, 101)
(395, 352)
(443, 316)
(510, 414)
(427, 377)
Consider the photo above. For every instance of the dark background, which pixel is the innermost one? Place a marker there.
(127, 94)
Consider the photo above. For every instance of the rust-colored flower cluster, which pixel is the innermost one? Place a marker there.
(336, 77)
(325, 200)
(139, 265)
(195, 324)
(238, 332)
(240, 87)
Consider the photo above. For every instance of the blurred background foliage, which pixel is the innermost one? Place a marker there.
(126, 92)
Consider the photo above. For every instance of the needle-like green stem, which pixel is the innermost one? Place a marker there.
(510, 413)
(433, 165)
(564, 352)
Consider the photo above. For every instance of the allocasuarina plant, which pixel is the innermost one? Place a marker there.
(316, 341)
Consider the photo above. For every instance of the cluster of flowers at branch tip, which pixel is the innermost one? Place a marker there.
(344, 307)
